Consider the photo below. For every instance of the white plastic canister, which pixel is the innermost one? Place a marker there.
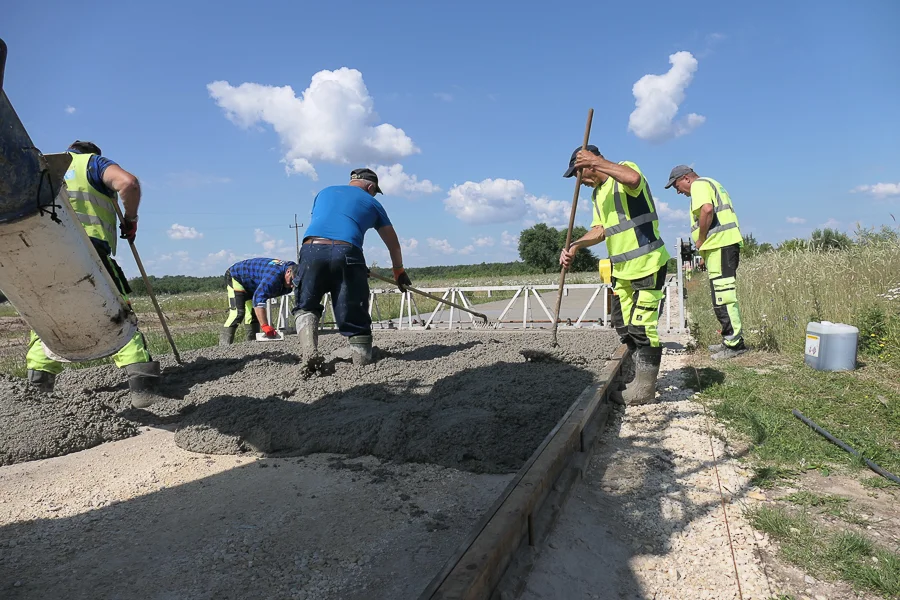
(831, 346)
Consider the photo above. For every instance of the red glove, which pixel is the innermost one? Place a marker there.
(128, 229)
(269, 331)
(401, 278)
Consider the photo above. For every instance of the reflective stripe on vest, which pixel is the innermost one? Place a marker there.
(626, 224)
(719, 207)
(96, 211)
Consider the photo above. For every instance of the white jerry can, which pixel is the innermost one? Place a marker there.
(52, 275)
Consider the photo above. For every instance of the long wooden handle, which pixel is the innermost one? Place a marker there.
(427, 295)
(562, 272)
(162, 319)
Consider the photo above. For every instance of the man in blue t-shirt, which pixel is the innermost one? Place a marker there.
(331, 260)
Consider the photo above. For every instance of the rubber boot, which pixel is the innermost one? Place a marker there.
(626, 374)
(251, 330)
(307, 325)
(646, 369)
(226, 336)
(41, 380)
(143, 380)
(361, 345)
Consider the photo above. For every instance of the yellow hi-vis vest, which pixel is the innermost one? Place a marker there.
(633, 242)
(95, 210)
(724, 229)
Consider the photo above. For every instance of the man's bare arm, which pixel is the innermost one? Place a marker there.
(621, 173)
(126, 185)
(704, 221)
(390, 239)
(593, 237)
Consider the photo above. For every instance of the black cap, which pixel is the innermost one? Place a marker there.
(368, 175)
(571, 170)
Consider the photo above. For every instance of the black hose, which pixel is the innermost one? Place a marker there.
(2, 61)
(845, 447)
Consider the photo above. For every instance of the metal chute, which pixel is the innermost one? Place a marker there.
(49, 269)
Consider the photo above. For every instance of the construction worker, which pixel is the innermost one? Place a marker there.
(717, 236)
(625, 217)
(263, 279)
(331, 260)
(94, 184)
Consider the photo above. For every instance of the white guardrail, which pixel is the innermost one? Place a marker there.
(671, 318)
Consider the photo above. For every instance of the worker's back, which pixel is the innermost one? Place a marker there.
(345, 213)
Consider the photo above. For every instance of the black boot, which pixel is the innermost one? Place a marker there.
(251, 330)
(226, 336)
(143, 380)
(42, 380)
(646, 369)
(626, 373)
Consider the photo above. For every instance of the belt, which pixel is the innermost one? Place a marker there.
(318, 240)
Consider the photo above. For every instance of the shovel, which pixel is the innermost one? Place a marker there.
(483, 323)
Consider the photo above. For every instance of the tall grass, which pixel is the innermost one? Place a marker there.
(780, 292)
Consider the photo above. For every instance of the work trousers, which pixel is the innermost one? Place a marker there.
(135, 351)
(240, 304)
(635, 308)
(341, 270)
(721, 266)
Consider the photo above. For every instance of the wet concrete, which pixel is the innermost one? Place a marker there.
(470, 400)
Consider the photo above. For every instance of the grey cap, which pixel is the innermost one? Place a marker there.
(679, 171)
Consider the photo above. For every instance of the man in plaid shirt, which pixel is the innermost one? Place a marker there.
(253, 282)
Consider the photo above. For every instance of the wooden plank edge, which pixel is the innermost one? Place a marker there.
(497, 536)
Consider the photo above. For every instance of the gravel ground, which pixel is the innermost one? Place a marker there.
(646, 521)
(431, 434)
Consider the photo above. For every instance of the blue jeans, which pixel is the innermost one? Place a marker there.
(341, 270)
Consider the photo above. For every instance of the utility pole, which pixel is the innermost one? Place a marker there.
(296, 229)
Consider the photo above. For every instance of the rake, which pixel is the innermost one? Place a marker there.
(482, 324)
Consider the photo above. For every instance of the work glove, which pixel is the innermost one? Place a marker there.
(128, 229)
(401, 278)
(269, 331)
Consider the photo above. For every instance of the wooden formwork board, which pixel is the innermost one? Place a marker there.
(477, 567)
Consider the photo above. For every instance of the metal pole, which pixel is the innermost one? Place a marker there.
(159, 313)
(296, 229)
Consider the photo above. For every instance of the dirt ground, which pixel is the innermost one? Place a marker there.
(646, 522)
(355, 484)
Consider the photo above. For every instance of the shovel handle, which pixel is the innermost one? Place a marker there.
(427, 295)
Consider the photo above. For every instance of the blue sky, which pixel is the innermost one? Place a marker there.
(234, 115)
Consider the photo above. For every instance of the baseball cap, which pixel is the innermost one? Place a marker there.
(679, 171)
(571, 170)
(368, 175)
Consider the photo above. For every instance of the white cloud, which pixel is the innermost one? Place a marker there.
(70, 110)
(667, 211)
(181, 255)
(333, 120)
(483, 242)
(796, 220)
(394, 182)
(181, 232)
(554, 213)
(272, 246)
(831, 223)
(657, 98)
(502, 201)
(879, 190)
(491, 201)
(442, 246)
(467, 250)
(508, 239)
(444, 96)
